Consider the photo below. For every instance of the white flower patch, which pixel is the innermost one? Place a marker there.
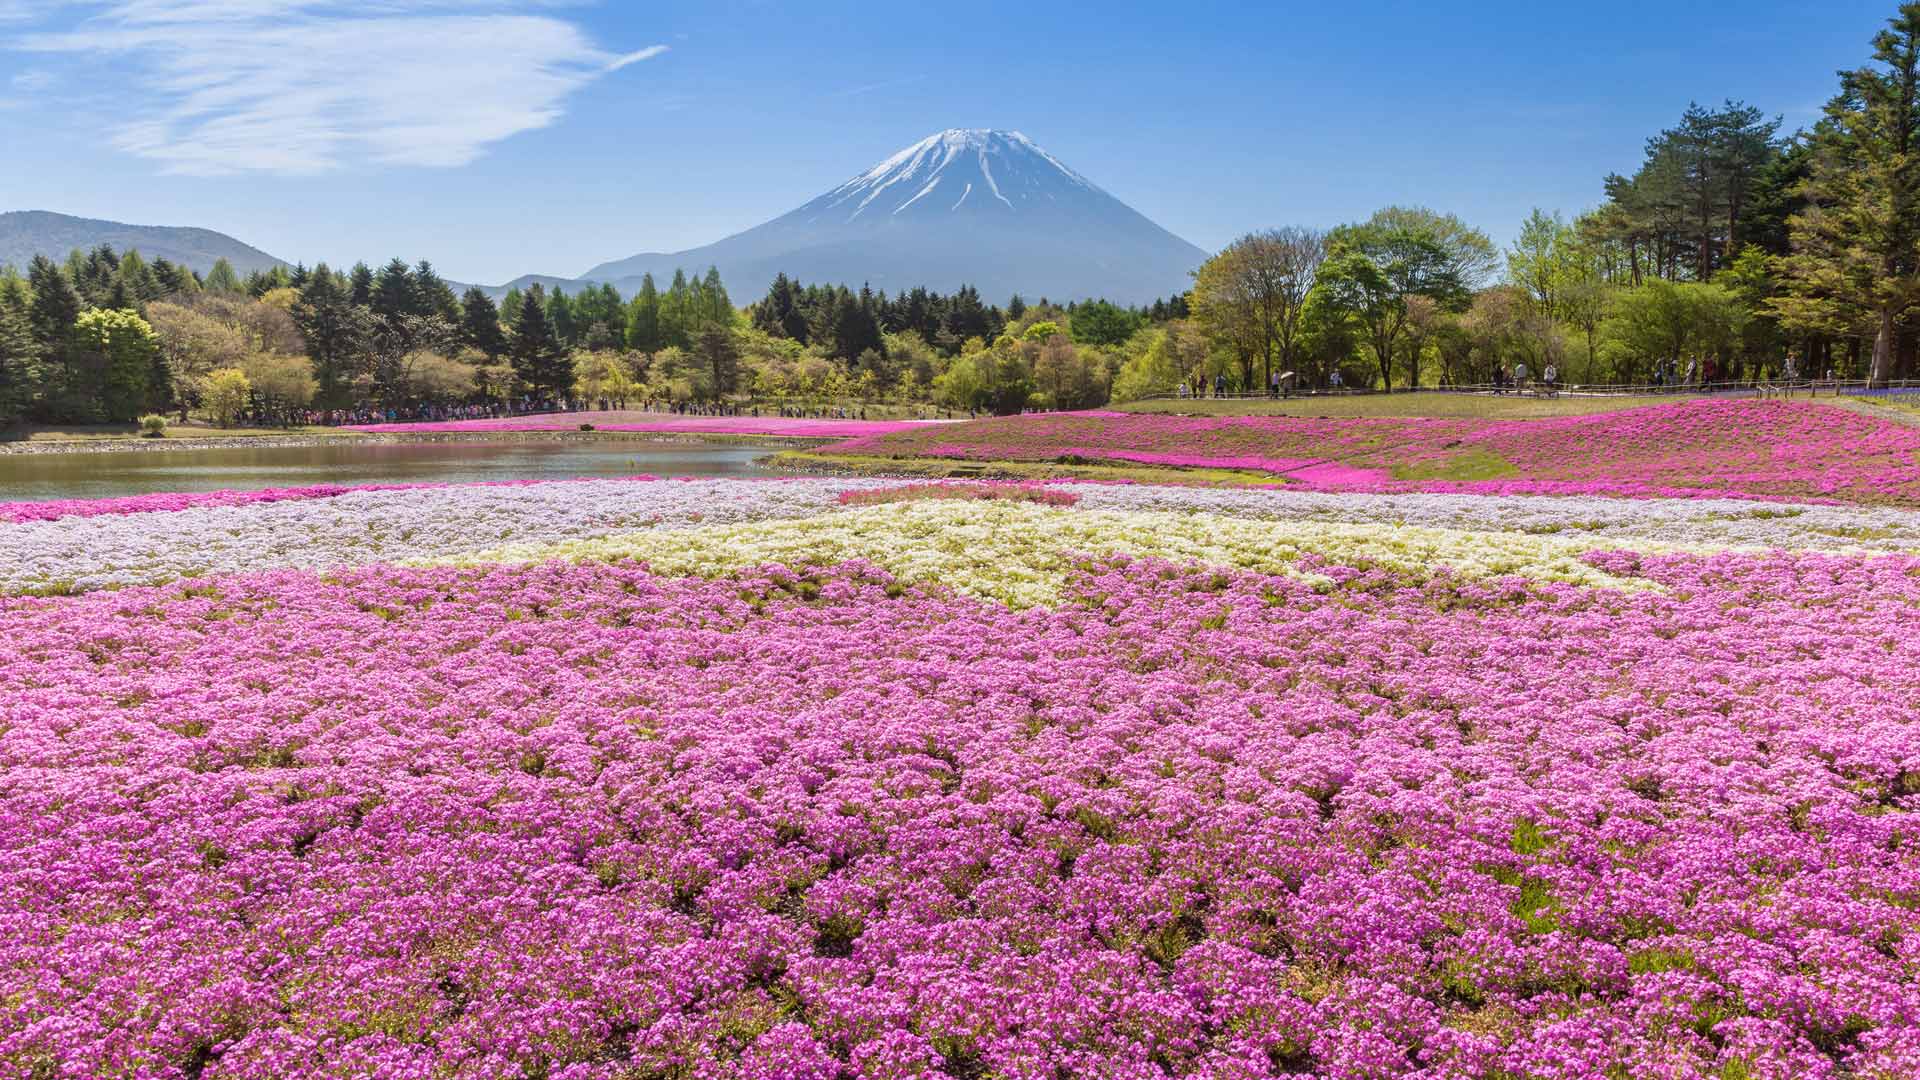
(1020, 553)
(1602, 522)
(85, 553)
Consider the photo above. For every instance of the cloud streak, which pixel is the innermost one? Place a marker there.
(302, 87)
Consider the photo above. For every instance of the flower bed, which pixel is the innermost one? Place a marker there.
(1033, 493)
(165, 501)
(597, 518)
(77, 554)
(1165, 782)
(1772, 449)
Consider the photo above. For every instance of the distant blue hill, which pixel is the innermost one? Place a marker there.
(26, 233)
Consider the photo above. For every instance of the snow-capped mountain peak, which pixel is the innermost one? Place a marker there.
(954, 171)
(976, 207)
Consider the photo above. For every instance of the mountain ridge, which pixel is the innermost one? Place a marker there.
(973, 206)
(26, 233)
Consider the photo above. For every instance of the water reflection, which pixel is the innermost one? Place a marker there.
(134, 472)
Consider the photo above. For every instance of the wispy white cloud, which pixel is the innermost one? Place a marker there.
(300, 86)
(31, 81)
(874, 87)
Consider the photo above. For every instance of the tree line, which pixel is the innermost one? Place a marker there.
(1731, 252)
(108, 337)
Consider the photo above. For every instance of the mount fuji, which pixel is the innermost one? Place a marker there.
(964, 207)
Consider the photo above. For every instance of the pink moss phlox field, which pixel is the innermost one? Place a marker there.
(158, 502)
(1764, 449)
(665, 423)
(167, 501)
(1043, 494)
(580, 821)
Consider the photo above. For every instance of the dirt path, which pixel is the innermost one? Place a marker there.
(1890, 413)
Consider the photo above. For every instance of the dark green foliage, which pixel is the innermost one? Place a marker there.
(336, 331)
(538, 359)
(360, 285)
(19, 354)
(393, 292)
(480, 324)
(1098, 322)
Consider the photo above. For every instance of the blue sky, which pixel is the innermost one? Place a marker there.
(498, 139)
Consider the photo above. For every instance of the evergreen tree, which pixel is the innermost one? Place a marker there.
(718, 308)
(95, 274)
(480, 324)
(139, 279)
(174, 279)
(337, 333)
(51, 317)
(393, 292)
(967, 317)
(561, 321)
(262, 282)
(432, 295)
(510, 307)
(360, 285)
(222, 279)
(1856, 255)
(19, 354)
(679, 311)
(539, 361)
(719, 356)
(610, 309)
(645, 331)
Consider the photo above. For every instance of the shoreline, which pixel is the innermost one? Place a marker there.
(137, 444)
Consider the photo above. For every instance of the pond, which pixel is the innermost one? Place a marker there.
(101, 475)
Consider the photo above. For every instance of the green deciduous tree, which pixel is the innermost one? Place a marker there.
(126, 349)
(1374, 268)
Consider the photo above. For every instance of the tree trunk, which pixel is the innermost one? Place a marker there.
(1882, 351)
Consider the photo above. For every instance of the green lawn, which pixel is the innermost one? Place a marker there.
(1497, 407)
(934, 468)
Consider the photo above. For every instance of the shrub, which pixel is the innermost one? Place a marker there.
(153, 426)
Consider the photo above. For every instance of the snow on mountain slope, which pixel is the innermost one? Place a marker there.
(965, 206)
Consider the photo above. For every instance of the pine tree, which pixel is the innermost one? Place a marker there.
(1857, 252)
(360, 285)
(222, 279)
(719, 356)
(967, 317)
(538, 359)
(336, 333)
(645, 332)
(480, 324)
(19, 354)
(393, 292)
(55, 308)
(718, 308)
(140, 281)
(560, 319)
(432, 295)
(678, 311)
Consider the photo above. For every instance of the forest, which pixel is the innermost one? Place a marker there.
(1730, 251)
